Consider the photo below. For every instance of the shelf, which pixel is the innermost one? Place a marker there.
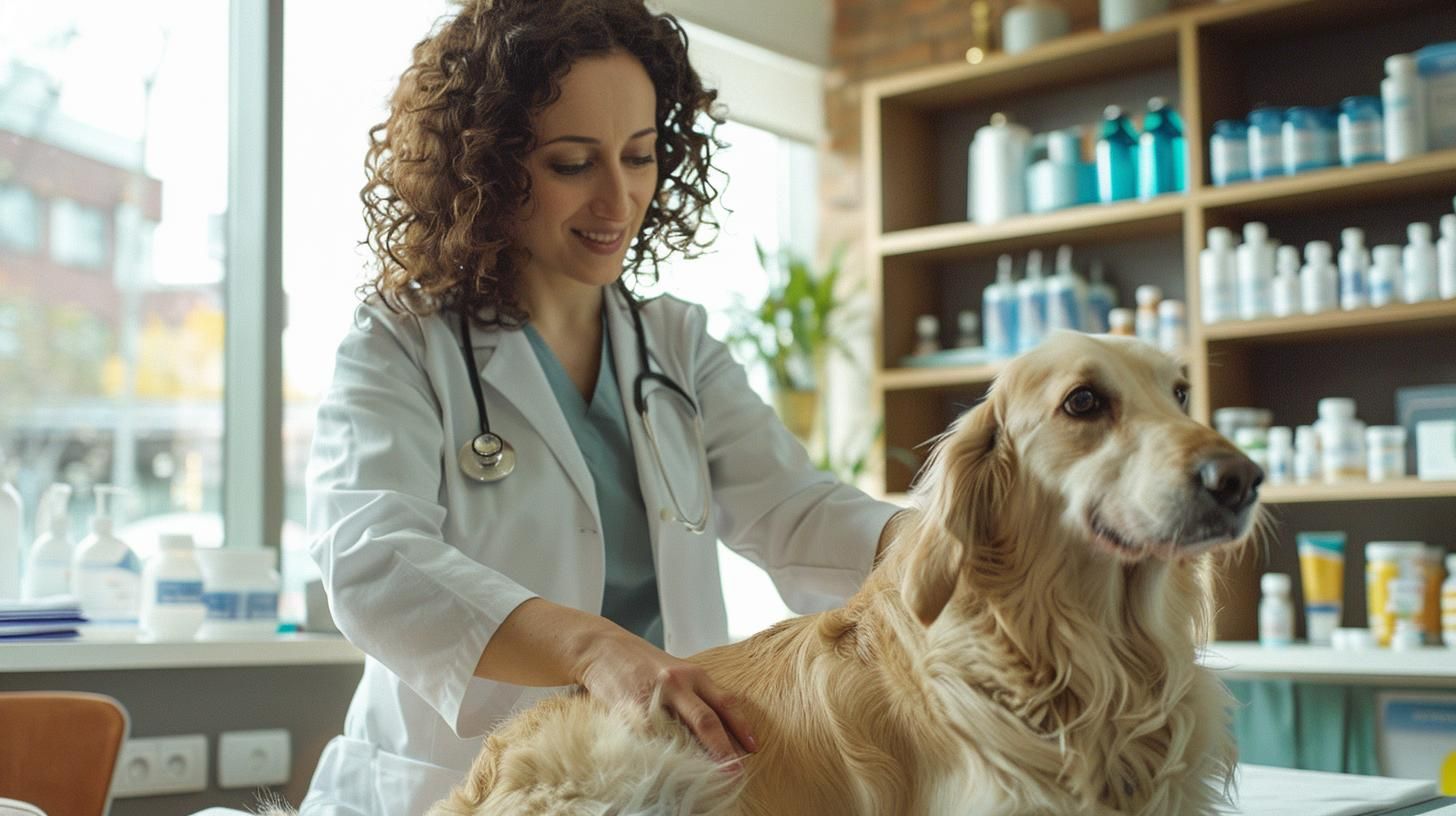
(1242, 660)
(1086, 55)
(905, 379)
(1119, 221)
(121, 650)
(1352, 186)
(1358, 491)
(1387, 321)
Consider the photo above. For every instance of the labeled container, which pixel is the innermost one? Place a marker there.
(1342, 440)
(1228, 421)
(1279, 469)
(1228, 152)
(1322, 575)
(1361, 130)
(1402, 98)
(1385, 452)
(1448, 603)
(1117, 163)
(1385, 562)
(1276, 611)
(240, 590)
(1266, 148)
(1030, 23)
(1433, 572)
(999, 154)
(1307, 139)
(1385, 275)
(1161, 151)
(1118, 14)
(105, 572)
(1172, 326)
(1436, 65)
(172, 607)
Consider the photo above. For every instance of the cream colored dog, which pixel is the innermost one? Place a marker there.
(1027, 645)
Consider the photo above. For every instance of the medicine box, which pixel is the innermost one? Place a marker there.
(1421, 404)
(1417, 737)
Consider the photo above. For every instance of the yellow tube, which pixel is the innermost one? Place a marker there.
(1322, 575)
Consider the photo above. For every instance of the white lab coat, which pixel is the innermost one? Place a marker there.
(421, 564)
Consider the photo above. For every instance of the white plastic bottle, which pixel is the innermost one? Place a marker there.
(1066, 294)
(1385, 276)
(1256, 271)
(998, 304)
(1218, 277)
(11, 523)
(1403, 100)
(1101, 300)
(1172, 326)
(1276, 611)
(1418, 265)
(1279, 467)
(1306, 455)
(1319, 280)
(1145, 323)
(171, 607)
(1448, 603)
(105, 573)
(1446, 258)
(1354, 268)
(48, 564)
(1342, 440)
(1031, 304)
(1284, 291)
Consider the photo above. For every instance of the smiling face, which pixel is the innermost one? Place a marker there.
(1102, 422)
(593, 174)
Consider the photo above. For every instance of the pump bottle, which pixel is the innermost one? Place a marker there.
(105, 573)
(48, 564)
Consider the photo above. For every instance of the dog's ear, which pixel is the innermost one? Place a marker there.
(960, 491)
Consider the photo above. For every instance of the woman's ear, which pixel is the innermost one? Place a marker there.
(961, 491)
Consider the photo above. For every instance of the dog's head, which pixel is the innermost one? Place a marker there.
(1088, 436)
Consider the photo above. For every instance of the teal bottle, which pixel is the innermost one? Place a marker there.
(1162, 162)
(1116, 157)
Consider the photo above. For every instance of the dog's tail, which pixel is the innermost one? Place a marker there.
(586, 759)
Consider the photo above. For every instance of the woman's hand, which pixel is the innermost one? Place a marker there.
(619, 666)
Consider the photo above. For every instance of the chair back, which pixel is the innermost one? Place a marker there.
(58, 749)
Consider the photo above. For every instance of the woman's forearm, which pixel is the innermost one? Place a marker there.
(543, 644)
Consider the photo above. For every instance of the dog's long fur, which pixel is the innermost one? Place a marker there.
(1026, 646)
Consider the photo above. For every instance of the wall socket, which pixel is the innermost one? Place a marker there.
(151, 766)
(247, 759)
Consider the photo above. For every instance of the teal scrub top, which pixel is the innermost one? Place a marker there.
(600, 427)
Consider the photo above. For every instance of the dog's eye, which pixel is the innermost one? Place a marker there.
(1083, 402)
(1180, 393)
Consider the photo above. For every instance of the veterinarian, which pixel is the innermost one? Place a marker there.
(521, 470)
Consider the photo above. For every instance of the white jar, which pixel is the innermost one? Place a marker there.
(1276, 611)
(172, 606)
(240, 590)
(1385, 452)
(1031, 23)
(1116, 14)
(1306, 454)
(1254, 442)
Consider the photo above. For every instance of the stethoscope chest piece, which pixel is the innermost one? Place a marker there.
(487, 458)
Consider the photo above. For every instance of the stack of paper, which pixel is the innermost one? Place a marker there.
(1266, 791)
(58, 616)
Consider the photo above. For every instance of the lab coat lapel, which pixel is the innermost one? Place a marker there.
(624, 356)
(514, 374)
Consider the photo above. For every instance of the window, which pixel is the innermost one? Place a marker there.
(112, 115)
(19, 219)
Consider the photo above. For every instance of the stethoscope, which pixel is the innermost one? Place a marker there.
(489, 458)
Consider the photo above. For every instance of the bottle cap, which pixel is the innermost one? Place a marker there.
(1004, 268)
(927, 325)
(175, 541)
(1112, 112)
(1448, 225)
(1157, 103)
(1147, 295)
(1170, 308)
(1318, 252)
(1419, 232)
(1334, 408)
(1281, 436)
(1352, 236)
(1400, 64)
(1256, 232)
(1274, 583)
(1220, 238)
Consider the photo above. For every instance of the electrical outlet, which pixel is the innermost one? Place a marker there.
(247, 759)
(153, 766)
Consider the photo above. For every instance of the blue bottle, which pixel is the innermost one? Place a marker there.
(1161, 152)
(1228, 152)
(1101, 300)
(998, 307)
(1031, 301)
(1266, 151)
(1116, 157)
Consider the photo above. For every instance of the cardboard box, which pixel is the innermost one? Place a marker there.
(1420, 404)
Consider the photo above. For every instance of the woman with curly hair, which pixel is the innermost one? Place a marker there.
(521, 470)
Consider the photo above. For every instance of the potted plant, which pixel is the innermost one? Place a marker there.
(792, 332)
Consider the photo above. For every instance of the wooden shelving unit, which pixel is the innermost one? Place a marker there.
(1215, 61)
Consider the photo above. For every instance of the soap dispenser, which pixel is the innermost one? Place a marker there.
(105, 573)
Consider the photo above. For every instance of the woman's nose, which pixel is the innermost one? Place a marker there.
(612, 200)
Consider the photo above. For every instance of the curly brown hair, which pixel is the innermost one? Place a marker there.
(447, 170)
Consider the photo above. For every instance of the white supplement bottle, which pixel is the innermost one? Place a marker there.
(1385, 277)
(1279, 468)
(1146, 323)
(1446, 258)
(1255, 263)
(240, 590)
(1403, 100)
(1419, 264)
(1284, 293)
(172, 590)
(1276, 611)
(1218, 276)
(1342, 440)
(1319, 280)
(1354, 268)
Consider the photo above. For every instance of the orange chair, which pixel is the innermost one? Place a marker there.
(58, 749)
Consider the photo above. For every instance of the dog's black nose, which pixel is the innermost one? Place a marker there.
(1232, 479)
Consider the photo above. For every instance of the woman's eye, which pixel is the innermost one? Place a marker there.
(1180, 393)
(641, 161)
(569, 169)
(1082, 402)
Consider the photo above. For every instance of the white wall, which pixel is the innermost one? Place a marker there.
(794, 28)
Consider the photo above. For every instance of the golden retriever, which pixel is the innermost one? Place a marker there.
(1026, 646)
